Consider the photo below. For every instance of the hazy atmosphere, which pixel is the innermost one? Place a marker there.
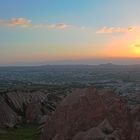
(69, 32)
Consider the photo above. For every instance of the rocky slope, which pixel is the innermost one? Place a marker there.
(85, 114)
(89, 114)
(19, 107)
(8, 118)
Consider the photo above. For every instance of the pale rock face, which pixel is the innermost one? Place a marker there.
(88, 114)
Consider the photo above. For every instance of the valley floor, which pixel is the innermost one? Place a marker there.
(23, 132)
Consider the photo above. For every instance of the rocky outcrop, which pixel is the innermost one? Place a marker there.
(26, 107)
(136, 123)
(103, 131)
(33, 112)
(85, 114)
(88, 114)
(20, 100)
(8, 117)
(32, 106)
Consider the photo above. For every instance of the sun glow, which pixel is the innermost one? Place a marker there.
(136, 47)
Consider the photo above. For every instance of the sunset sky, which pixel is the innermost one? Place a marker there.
(34, 32)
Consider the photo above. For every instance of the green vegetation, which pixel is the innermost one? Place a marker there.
(24, 132)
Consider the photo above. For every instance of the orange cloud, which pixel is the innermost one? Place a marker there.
(107, 30)
(23, 22)
(15, 22)
(19, 22)
(58, 26)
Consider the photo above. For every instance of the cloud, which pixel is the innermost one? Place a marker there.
(107, 30)
(19, 22)
(137, 45)
(58, 26)
(15, 22)
(23, 22)
(51, 26)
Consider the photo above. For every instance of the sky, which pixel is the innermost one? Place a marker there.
(35, 32)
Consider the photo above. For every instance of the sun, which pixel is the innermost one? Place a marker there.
(136, 48)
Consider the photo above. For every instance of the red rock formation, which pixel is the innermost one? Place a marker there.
(136, 123)
(33, 112)
(104, 130)
(86, 114)
(117, 113)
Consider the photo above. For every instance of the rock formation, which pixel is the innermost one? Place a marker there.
(88, 114)
(136, 123)
(18, 107)
(85, 114)
(8, 117)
